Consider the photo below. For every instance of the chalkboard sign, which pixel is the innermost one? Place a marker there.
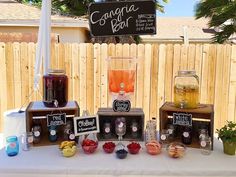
(121, 105)
(86, 125)
(56, 119)
(122, 18)
(182, 119)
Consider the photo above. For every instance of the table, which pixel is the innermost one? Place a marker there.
(47, 161)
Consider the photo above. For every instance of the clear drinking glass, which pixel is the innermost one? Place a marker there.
(120, 128)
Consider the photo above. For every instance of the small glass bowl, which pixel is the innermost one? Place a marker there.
(121, 153)
(133, 148)
(153, 147)
(89, 146)
(176, 150)
(109, 147)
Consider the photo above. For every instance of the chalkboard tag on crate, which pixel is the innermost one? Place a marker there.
(121, 105)
(56, 119)
(182, 119)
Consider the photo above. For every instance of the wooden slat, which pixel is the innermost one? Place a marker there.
(104, 82)
(10, 76)
(232, 88)
(225, 84)
(68, 69)
(204, 82)
(191, 57)
(211, 74)
(90, 79)
(133, 53)
(168, 72)
(176, 65)
(83, 77)
(154, 81)
(184, 57)
(140, 76)
(31, 56)
(24, 73)
(111, 52)
(161, 77)
(97, 76)
(17, 74)
(147, 83)
(218, 85)
(3, 81)
(198, 63)
(75, 72)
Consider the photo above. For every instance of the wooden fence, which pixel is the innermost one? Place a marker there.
(86, 68)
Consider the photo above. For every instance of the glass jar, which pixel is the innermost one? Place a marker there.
(52, 133)
(68, 131)
(205, 145)
(186, 90)
(55, 89)
(134, 129)
(12, 145)
(150, 132)
(26, 140)
(107, 129)
(202, 133)
(187, 135)
(37, 131)
(171, 131)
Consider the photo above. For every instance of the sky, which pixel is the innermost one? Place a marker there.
(179, 8)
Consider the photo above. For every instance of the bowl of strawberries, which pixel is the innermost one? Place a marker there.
(89, 146)
(109, 147)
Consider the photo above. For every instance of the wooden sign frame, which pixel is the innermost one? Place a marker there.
(88, 120)
(122, 18)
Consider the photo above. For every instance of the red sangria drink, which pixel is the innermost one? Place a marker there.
(121, 75)
(55, 89)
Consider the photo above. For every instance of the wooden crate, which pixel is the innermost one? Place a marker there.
(37, 111)
(135, 114)
(201, 116)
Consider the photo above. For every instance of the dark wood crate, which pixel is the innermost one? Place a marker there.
(135, 114)
(201, 116)
(36, 110)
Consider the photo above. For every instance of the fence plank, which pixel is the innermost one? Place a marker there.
(191, 56)
(169, 72)
(198, 64)
(25, 73)
(97, 76)
(140, 76)
(90, 78)
(3, 81)
(147, 83)
(17, 74)
(232, 88)
(83, 77)
(104, 82)
(10, 76)
(161, 77)
(133, 53)
(154, 81)
(184, 57)
(75, 72)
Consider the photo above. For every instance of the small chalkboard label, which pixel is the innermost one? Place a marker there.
(182, 119)
(56, 119)
(121, 105)
(85, 125)
(122, 18)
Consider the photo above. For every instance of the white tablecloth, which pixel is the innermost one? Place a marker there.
(47, 161)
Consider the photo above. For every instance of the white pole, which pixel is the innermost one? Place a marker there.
(44, 41)
(185, 29)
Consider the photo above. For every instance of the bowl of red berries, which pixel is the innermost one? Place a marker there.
(89, 146)
(109, 147)
(133, 147)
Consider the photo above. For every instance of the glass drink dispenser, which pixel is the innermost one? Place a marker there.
(186, 90)
(121, 77)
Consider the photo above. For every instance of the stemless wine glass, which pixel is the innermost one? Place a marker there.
(120, 128)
